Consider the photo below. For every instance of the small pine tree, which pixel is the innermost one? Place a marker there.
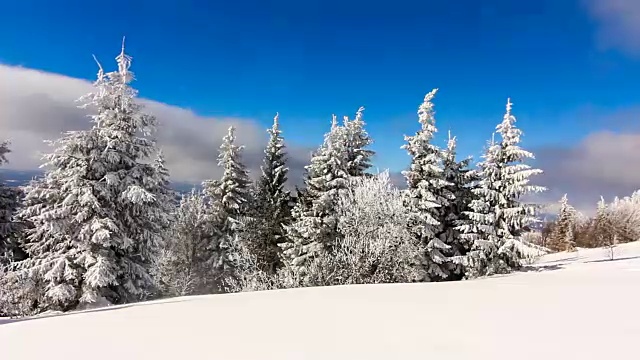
(358, 156)
(97, 219)
(602, 225)
(263, 229)
(316, 223)
(428, 193)
(497, 215)
(562, 237)
(228, 199)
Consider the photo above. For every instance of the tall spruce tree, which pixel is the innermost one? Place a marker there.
(315, 225)
(428, 192)
(359, 157)
(263, 229)
(229, 198)
(97, 217)
(9, 228)
(498, 215)
(461, 180)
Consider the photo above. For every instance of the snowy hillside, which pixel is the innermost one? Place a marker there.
(569, 306)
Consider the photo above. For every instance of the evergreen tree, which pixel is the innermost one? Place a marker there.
(562, 236)
(497, 215)
(231, 192)
(428, 192)
(461, 180)
(97, 218)
(270, 212)
(602, 225)
(9, 228)
(358, 156)
(315, 225)
(229, 198)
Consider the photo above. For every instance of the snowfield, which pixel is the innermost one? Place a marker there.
(568, 306)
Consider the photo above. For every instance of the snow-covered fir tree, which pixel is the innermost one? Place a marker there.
(97, 216)
(9, 202)
(232, 190)
(162, 185)
(316, 222)
(428, 193)
(498, 215)
(185, 266)
(602, 225)
(461, 180)
(562, 236)
(270, 210)
(228, 198)
(359, 157)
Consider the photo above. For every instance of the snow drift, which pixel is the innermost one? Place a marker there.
(568, 306)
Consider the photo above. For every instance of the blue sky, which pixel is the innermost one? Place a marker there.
(309, 59)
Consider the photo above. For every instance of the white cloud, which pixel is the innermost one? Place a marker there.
(36, 106)
(603, 164)
(618, 23)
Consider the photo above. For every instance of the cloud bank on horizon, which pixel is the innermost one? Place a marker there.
(39, 106)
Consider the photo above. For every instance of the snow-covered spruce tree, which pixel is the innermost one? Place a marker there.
(602, 225)
(428, 194)
(498, 217)
(228, 200)
(461, 180)
(185, 266)
(97, 217)
(562, 236)
(315, 226)
(232, 190)
(358, 155)
(160, 183)
(9, 228)
(263, 229)
(604, 228)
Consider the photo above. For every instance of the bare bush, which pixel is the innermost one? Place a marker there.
(531, 249)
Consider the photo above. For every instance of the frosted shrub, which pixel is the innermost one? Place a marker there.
(19, 294)
(624, 216)
(185, 264)
(375, 246)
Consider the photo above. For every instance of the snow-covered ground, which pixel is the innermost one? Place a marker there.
(570, 306)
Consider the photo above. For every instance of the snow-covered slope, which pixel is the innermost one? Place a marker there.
(570, 306)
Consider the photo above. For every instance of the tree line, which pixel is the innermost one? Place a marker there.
(103, 225)
(613, 223)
